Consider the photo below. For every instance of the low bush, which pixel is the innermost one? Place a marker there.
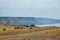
(4, 29)
(32, 25)
(17, 27)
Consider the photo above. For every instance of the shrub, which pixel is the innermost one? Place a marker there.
(4, 29)
(27, 26)
(17, 27)
(32, 25)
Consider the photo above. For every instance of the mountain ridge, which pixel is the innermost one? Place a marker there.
(27, 21)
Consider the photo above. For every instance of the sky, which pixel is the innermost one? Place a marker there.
(30, 8)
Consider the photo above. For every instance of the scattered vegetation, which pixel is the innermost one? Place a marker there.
(41, 33)
(17, 27)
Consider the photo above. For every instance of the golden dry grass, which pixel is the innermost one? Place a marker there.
(25, 33)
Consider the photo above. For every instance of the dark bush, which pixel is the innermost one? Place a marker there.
(32, 25)
(27, 26)
(17, 27)
(4, 29)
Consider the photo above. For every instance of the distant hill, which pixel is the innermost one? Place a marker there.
(42, 21)
(27, 21)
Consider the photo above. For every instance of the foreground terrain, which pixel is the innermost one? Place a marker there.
(29, 33)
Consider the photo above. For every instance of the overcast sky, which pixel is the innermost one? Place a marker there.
(30, 8)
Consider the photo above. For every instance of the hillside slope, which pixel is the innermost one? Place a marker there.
(27, 21)
(45, 33)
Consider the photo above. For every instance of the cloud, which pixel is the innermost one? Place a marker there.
(30, 3)
(35, 8)
(47, 12)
